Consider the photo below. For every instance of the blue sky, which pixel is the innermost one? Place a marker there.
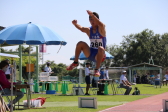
(122, 17)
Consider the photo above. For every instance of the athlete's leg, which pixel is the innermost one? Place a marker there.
(99, 57)
(81, 46)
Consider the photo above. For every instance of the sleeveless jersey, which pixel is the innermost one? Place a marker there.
(96, 39)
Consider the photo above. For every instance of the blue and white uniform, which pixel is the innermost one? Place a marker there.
(96, 40)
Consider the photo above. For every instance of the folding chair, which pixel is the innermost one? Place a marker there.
(7, 96)
(3, 105)
(118, 88)
(94, 90)
(94, 87)
(77, 90)
(3, 94)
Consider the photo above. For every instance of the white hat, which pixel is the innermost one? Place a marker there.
(124, 71)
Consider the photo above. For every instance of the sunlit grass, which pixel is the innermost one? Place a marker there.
(68, 103)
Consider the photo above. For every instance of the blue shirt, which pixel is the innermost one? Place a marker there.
(101, 75)
(151, 75)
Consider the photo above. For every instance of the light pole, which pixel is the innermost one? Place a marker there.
(43, 57)
(166, 46)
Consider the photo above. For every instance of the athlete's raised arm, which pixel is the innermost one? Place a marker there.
(79, 27)
(95, 19)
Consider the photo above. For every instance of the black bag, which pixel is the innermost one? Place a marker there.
(137, 92)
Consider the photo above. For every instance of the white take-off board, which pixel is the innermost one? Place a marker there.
(165, 105)
(87, 102)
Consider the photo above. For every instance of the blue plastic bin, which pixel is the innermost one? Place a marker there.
(50, 92)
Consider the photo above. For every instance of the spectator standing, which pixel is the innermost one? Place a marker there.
(48, 68)
(87, 78)
(158, 76)
(166, 77)
(106, 73)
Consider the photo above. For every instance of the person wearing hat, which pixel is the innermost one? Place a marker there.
(5, 85)
(8, 70)
(47, 68)
(124, 83)
(87, 78)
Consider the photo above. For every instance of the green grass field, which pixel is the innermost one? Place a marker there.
(68, 103)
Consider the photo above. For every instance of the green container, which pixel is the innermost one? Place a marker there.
(64, 88)
(43, 87)
(67, 89)
(56, 86)
(50, 86)
(36, 87)
(23, 90)
(106, 89)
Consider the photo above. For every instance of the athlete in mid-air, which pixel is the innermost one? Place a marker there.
(97, 36)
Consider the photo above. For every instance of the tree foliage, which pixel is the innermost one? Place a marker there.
(140, 47)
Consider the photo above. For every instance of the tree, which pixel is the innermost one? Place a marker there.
(118, 53)
(25, 49)
(141, 46)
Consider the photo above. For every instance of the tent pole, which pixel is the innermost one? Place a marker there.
(37, 64)
(29, 66)
(0, 51)
(129, 74)
(28, 102)
(11, 103)
(161, 74)
(20, 62)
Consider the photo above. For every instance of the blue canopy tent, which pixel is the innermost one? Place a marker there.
(83, 57)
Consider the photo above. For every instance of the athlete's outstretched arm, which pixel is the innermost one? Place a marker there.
(79, 27)
(95, 19)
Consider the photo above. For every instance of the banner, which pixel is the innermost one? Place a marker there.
(42, 48)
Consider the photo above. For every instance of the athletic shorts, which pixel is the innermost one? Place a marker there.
(87, 80)
(93, 53)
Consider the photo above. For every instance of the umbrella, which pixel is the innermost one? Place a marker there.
(30, 34)
(83, 57)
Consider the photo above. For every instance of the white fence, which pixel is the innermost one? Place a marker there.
(45, 76)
